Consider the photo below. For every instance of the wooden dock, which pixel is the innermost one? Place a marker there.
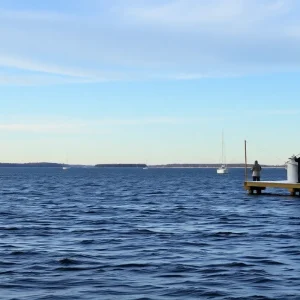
(258, 186)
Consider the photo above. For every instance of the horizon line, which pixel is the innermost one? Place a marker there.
(133, 164)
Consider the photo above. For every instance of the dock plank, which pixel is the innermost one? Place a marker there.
(258, 186)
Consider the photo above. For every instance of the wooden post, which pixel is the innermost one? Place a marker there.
(246, 173)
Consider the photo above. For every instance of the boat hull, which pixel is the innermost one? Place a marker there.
(222, 171)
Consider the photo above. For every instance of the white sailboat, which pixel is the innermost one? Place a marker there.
(66, 166)
(223, 168)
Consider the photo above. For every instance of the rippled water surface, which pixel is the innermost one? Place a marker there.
(145, 234)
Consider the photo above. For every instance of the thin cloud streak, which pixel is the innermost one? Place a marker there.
(148, 40)
(41, 80)
(41, 128)
(81, 126)
(260, 112)
(229, 15)
(24, 64)
(283, 112)
(62, 73)
(187, 12)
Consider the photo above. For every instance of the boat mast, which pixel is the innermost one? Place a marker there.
(223, 161)
(246, 173)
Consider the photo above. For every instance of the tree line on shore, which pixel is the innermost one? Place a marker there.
(120, 165)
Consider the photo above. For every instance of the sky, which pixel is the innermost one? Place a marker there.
(149, 81)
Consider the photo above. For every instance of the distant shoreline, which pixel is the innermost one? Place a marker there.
(166, 166)
(248, 167)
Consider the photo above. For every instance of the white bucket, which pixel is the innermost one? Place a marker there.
(292, 171)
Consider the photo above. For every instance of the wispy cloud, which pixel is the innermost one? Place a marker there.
(41, 79)
(217, 14)
(45, 73)
(63, 125)
(31, 15)
(186, 12)
(145, 40)
(35, 127)
(25, 64)
(283, 112)
(156, 120)
(263, 112)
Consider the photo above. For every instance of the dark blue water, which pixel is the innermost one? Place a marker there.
(145, 234)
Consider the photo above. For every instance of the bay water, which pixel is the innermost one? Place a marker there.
(129, 233)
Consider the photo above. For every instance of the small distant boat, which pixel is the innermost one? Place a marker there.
(145, 168)
(65, 165)
(223, 168)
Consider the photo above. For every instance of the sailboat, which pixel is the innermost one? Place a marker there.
(66, 166)
(145, 167)
(223, 168)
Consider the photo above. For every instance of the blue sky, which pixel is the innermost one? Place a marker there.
(155, 81)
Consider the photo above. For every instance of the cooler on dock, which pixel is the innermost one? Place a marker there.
(292, 170)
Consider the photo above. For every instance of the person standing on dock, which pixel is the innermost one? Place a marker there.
(298, 161)
(256, 171)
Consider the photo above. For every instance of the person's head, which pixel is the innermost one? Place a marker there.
(256, 162)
